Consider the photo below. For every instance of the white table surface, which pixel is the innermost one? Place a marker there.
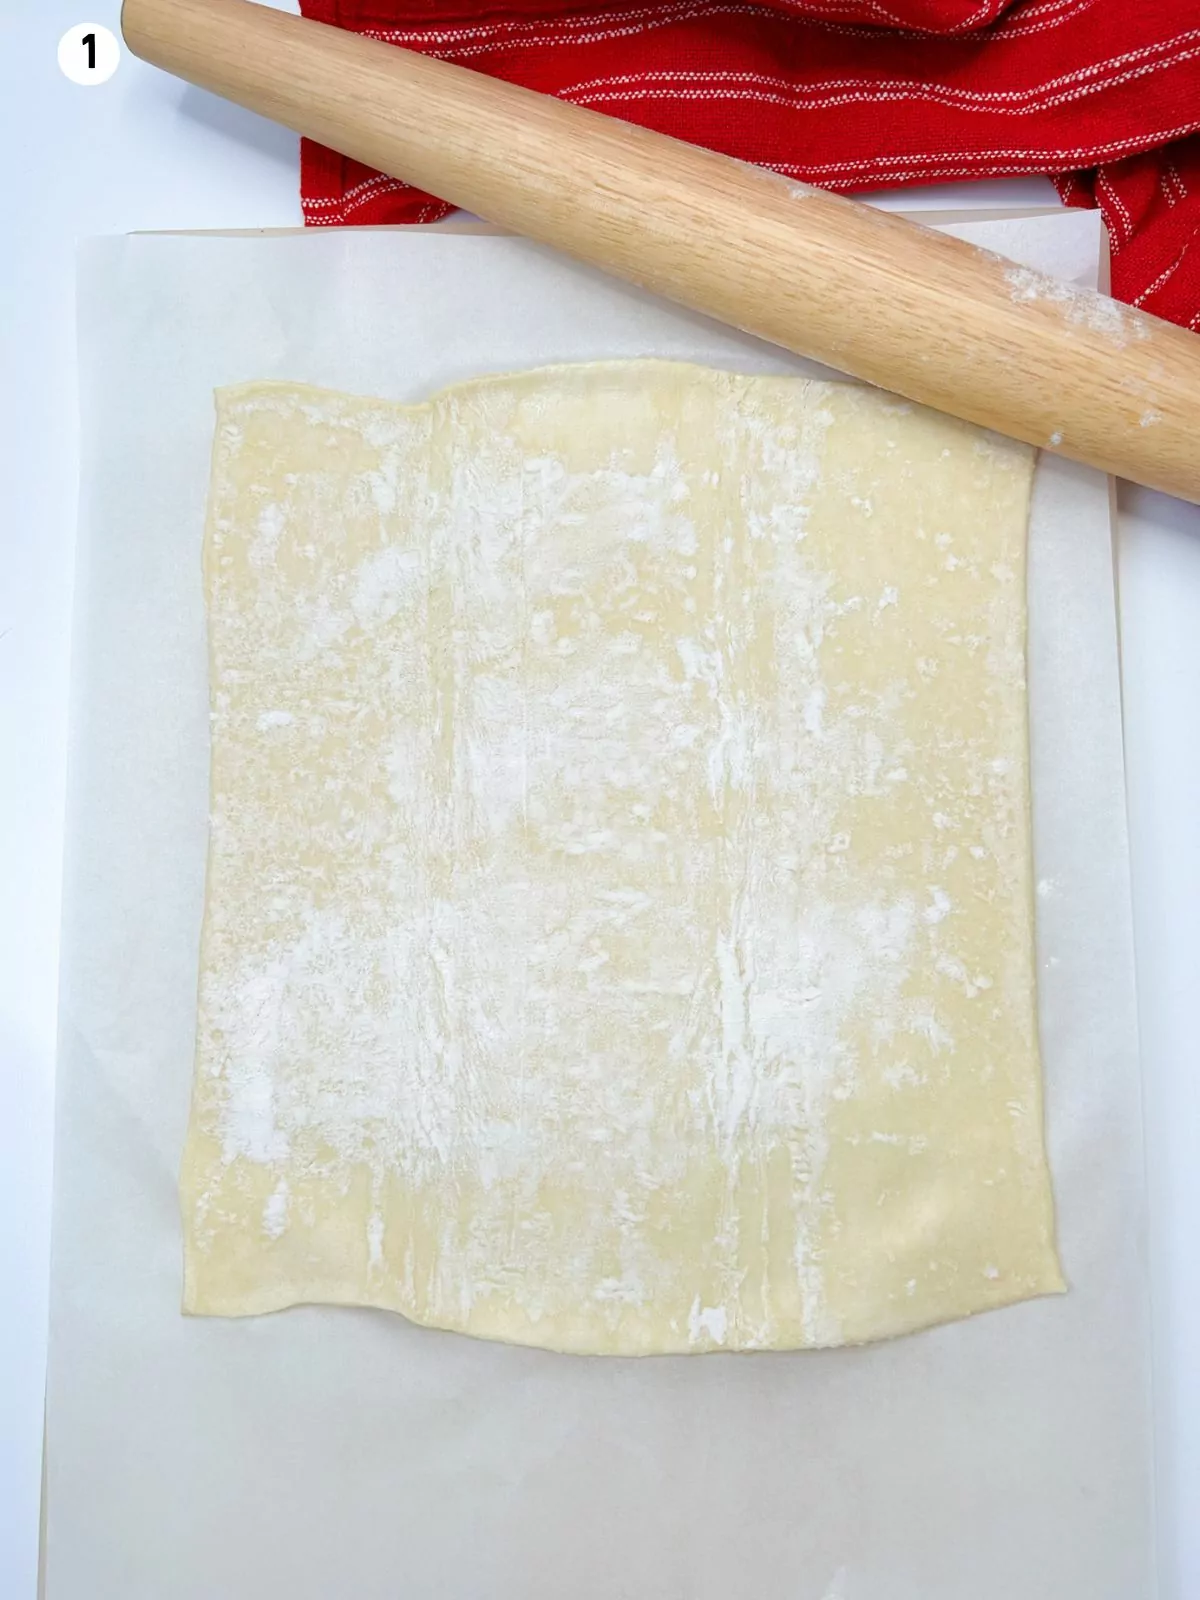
(144, 151)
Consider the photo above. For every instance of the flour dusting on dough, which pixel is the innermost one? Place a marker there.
(553, 950)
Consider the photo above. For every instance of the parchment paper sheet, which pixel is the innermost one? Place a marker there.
(323, 1453)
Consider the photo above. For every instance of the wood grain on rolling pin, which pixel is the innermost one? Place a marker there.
(881, 298)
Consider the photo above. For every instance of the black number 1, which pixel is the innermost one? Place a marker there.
(89, 39)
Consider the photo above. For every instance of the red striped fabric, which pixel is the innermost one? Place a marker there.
(1103, 95)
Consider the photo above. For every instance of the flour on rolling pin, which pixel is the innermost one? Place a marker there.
(1083, 308)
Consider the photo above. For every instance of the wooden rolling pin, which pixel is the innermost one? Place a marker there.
(886, 300)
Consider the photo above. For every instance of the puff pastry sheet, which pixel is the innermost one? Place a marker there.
(618, 931)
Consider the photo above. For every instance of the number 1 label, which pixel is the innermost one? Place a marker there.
(88, 53)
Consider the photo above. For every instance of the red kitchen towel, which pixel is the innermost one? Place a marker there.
(1104, 95)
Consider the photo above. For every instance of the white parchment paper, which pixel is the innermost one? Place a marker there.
(323, 1453)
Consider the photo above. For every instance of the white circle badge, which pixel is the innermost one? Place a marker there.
(88, 53)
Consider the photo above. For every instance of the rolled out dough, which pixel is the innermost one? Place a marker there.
(619, 922)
